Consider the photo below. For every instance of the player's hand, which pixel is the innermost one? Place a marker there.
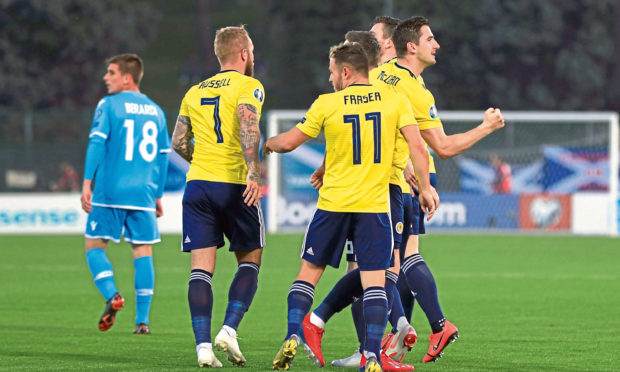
(411, 179)
(316, 180)
(493, 119)
(435, 197)
(429, 201)
(86, 197)
(267, 148)
(159, 209)
(253, 192)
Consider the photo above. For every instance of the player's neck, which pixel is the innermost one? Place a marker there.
(358, 79)
(411, 63)
(239, 67)
(387, 56)
(130, 88)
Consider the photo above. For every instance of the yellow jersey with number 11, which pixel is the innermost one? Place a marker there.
(360, 123)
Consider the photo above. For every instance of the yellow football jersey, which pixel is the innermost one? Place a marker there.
(421, 99)
(360, 123)
(212, 108)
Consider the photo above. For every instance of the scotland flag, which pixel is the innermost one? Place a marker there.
(477, 177)
(569, 170)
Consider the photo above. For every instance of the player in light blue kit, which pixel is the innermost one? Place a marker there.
(127, 157)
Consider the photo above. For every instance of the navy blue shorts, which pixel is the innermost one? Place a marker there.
(417, 215)
(212, 210)
(396, 213)
(370, 233)
(413, 215)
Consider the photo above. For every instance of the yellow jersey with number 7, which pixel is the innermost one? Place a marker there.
(212, 109)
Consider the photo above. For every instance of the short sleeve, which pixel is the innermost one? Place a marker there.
(164, 137)
(405, 113)
(101, 120)
(252, 93)
(184, 110)
(312, 123)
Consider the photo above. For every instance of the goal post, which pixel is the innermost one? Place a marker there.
(562, 170)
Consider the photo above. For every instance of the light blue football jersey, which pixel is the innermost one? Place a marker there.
(132, 169)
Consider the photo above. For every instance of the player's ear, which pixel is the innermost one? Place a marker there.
(411, 47)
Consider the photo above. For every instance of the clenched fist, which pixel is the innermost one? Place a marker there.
(493, 119)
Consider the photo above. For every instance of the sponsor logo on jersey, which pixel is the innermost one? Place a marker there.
(259, 95)
(433, 112)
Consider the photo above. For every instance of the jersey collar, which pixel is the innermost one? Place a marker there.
(406, 69)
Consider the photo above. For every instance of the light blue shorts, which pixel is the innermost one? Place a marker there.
(138, 226)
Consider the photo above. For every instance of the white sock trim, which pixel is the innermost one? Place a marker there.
(206, 345)
(231, 331)
(314, 319)
(402, 323)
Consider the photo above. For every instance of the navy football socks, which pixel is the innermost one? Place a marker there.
(200, 298)
(300, 298)
(422, 283)
(375, 316)
(357, 310)
(342, 295)
(406, 297)
(395, 307)
(241, 293)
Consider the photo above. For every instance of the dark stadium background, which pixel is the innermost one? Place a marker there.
(516, 55)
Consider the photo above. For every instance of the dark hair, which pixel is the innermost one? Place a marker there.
(128, 63)
(351, 54)
(407, 31)
(369, 43)
(389, 24)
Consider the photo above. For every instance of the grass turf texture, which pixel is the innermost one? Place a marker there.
(521, 303)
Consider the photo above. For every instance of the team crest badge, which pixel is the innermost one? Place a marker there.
(433, 112)
(259, 95)
(399, 227)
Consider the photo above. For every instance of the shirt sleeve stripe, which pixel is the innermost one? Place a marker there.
(98, 134)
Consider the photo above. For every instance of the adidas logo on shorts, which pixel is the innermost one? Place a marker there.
(310, 251)
(187, 240)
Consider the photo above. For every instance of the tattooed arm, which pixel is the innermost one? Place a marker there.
(182, 136)
(250, 142)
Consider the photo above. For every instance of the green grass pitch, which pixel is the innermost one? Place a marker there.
(535, 303)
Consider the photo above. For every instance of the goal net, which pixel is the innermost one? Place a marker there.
(543, 172)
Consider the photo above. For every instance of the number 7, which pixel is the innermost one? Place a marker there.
(216, 116)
